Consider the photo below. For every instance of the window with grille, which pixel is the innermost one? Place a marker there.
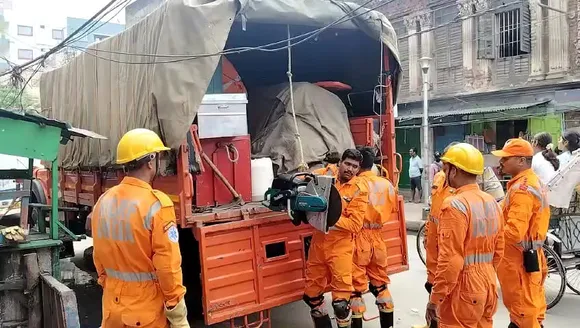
(505, 33)
(509, 36)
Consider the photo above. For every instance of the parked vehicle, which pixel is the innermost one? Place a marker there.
(239, 258)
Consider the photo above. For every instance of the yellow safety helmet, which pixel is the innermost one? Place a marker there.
(465, 157)
(138, 143)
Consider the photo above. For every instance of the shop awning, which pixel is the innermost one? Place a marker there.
(475, 110)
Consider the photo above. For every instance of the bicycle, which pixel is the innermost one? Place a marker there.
(556, 274)
(421, 235)
(555, 282)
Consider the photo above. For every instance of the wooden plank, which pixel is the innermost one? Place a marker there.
(12, 284)
(61, 302)
(32, 274)
(12, 312)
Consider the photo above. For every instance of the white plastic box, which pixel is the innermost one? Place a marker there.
(223, 115)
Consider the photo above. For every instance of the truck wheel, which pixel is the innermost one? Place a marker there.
(36, 196)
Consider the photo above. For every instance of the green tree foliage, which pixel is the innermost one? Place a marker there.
(11, 97)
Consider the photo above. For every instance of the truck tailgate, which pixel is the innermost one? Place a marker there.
(395, 235)
(253, 265)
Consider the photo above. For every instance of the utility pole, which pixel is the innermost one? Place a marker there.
(426, 157)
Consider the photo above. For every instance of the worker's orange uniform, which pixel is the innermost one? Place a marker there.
(330, 169)
(471, 245)
(440, 191)
(330, 256)
(136, 253)
(370, 253)
(527, 216)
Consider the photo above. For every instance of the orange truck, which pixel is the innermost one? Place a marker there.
(240, 260)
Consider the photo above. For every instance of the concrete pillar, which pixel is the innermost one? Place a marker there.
(468, 36)
(483, 72)
(558, 40)
(414, 68)
(538, 69)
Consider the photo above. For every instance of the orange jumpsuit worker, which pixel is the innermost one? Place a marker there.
(330, 255)
(370, 253)
(439, 192)
(331, 167)
(527, 216)
(136, 249)
(471, 246)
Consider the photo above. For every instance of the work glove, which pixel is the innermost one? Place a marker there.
(14, 233)
(177, 315)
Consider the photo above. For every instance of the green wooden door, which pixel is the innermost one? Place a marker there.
(551, 123)
(405, 140)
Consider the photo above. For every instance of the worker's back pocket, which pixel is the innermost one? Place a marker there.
(469, 308)
(362, 250)
(139, 319)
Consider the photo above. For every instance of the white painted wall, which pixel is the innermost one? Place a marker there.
(51, 14)
(32, 13)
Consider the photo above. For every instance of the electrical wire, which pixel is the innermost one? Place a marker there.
(16, 71)
(62, 44)
(15, 82)
(304, 37)
(91, 29)
(19, 96)
(182, 57)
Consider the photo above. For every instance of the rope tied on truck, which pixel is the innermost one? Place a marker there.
(233, 153)
(303, 166)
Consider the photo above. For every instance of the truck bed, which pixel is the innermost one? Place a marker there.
(256, 264)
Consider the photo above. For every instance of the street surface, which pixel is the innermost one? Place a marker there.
(407, 289)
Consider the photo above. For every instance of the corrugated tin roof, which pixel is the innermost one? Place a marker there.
(476, 110)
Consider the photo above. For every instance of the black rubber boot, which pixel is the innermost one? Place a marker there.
(356, 323)
(322, 322)
(387, 319)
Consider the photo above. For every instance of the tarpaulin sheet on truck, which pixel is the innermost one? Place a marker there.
(146, 76)
(321, 117)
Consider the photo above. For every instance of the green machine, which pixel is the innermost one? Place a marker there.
(29, 258)
(307, 198)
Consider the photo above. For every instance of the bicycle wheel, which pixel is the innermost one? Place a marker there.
(573, 277)
(555, 284)
(421, 243)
